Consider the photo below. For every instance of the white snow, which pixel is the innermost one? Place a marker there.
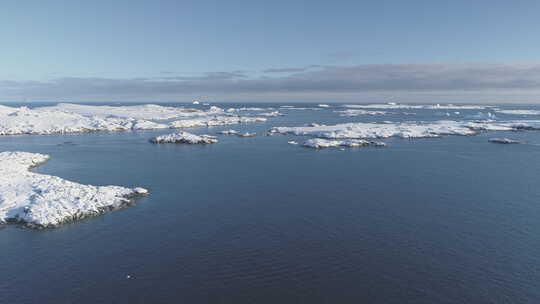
(352, 113)
(519, 112)
(323, 106)
(404, 130)
(318, 143)
(184, 138)
(196, 102)
(40, 201)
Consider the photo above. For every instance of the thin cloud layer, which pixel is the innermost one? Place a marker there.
(298, 83)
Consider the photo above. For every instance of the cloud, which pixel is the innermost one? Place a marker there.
(434, 80)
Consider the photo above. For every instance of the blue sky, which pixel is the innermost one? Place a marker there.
(61, 49)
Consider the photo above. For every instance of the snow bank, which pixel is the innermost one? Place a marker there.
(318, 143)
(41, 201)
(184, 138)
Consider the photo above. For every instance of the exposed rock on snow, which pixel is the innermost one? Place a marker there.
(318, 143)
(503, 141)
(41, 201)
(184, 138)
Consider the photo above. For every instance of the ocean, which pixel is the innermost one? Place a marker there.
(454, 219)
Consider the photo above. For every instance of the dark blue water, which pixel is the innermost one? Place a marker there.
(255, 220)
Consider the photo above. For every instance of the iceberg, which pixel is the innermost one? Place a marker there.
(43, 201)
(184, 138)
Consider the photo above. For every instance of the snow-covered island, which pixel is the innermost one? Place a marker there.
(405, 129)
(184, 138)
(75, 118)
(44, 201)
(319, 143)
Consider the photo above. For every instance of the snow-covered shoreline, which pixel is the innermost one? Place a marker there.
(44, 201)
(74, 118)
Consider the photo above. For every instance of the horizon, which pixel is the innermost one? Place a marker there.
(254, 51)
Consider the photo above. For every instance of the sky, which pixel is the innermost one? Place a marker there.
(265, 51)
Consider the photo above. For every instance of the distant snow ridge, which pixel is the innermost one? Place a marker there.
(214, 121)
(404, 130)
(519, 112)
(408, 107)
(352, 113)
(184, 138)
(271, 114)
(73, 118)
(41, 201)
(319, 143)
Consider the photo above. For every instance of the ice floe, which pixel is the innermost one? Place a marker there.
(323, 106)
(184, 138)
(319, 143)
(41, 201)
